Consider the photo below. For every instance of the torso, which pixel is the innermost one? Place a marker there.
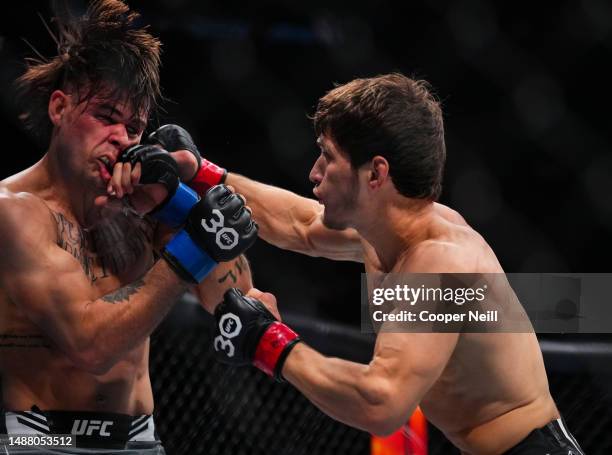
(34, 372)
(494, 390)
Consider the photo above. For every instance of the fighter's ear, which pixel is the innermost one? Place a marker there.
(58, 104)
(379, 171)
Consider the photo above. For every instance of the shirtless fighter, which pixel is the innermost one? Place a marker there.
(80, 287)
(377, 179)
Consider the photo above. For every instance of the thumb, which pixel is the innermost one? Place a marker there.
(263, 296)
(268, 299)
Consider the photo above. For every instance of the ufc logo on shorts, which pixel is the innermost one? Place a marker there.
(230, 325)
(87, 427)
(226, 237)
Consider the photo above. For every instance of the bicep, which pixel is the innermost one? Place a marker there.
(293, 222)
(340, 245)
(49, 286)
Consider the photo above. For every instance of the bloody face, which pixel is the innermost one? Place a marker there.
(90, 136)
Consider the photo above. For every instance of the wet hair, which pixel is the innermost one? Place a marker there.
(393, 116)
(102, 53)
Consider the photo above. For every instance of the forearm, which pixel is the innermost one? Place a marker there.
(346, 391)
(283, 217)
(121, 320)
(233, 274)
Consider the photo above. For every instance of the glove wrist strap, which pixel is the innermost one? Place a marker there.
(273, 348)
(174, 212)
(185, 253)
(207, 176)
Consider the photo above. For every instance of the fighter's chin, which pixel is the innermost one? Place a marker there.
(107, 206)
(333, 223)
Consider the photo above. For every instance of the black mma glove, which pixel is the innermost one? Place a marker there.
(158, 166)
(218, 229)
(173, 138)
(247, 333)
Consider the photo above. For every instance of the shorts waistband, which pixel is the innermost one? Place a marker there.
(90, 429)
(559, 431)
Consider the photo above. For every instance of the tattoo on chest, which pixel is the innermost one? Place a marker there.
(109, 249)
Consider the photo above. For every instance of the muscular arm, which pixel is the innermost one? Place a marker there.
(49, 285)
(378, 397)
(292, 222)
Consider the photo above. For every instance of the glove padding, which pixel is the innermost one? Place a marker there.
(221, 225)
(173, 138)
(157, 166)
(247, 332)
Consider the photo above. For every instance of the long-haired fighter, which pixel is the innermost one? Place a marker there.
(80, 287)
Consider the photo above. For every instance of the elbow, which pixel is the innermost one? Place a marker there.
(385, 411)
(384, 425)
(385, 419)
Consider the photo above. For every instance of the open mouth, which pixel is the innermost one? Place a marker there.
(105, 168)
(106, 161)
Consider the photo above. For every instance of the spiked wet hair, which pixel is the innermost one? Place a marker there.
(103, 53)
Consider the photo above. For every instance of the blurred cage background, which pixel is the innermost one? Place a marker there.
(525, 91)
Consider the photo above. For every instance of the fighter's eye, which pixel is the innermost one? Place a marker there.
(106, 118)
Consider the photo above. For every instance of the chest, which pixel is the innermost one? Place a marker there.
(116, 252)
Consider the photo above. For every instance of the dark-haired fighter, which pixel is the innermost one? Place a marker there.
(377, 179)
(80, 287)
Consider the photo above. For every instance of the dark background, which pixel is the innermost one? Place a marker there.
(524, 86)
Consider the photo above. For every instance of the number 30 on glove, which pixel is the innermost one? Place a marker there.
(247, 333)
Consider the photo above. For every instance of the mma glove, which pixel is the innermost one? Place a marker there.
(218, 228)
(174, 137)
(247, 333)
(158, 166)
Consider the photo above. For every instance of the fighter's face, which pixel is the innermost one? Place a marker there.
(336, 184)
(92, 134)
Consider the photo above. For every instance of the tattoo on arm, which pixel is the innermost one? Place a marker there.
(124, 293)
(229, 274)
(23, 341)
(239, 265)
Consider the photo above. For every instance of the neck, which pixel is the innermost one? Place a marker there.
(51, 181)
(394, 228)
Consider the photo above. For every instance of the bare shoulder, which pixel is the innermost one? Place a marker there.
(454, 247)
(436, 256)
(24, 217)
(449, 214)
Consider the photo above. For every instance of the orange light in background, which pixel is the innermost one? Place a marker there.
(411, 439)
